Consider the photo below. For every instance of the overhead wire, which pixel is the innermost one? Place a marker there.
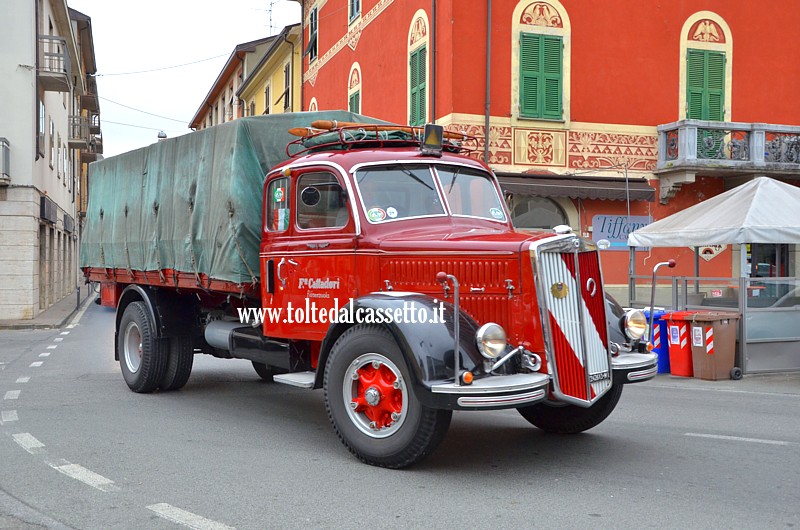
(162, 68)
(142, 111)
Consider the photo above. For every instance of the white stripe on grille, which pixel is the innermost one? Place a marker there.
(565, 313)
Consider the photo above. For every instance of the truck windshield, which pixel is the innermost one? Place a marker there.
(470, 193)
(390, 193)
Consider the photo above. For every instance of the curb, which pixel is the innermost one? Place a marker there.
(32, 325)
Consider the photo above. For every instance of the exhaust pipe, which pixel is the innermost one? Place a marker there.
(218, 333)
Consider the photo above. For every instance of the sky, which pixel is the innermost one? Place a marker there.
(163, 34)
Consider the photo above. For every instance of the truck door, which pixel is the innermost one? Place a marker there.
(308, 261)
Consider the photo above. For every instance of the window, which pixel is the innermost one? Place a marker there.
(41, 132)
(354, 104)
(321, 202)
(52, 142)
(537, 212)
(540, 76)
(355, 9)
(267, 102)
(418, 85)
(705, 85)
(287, 85)
(470, 193)
(252, 108)
(391, 193)
(278, 205)
(311, 50)
(59, 156)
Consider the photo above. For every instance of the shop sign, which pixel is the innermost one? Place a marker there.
(615, 228)
(709, 252)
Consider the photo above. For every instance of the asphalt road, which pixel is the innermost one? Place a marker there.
(79, 450)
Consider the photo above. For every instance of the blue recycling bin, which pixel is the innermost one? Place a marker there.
(660, 338)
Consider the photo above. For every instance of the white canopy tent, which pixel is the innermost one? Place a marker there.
(762, 210)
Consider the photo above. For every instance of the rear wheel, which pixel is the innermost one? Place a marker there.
(179, 363)
(142, 357)
(571, 419)
(371, 404)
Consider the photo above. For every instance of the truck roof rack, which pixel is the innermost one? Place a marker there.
(325, 135)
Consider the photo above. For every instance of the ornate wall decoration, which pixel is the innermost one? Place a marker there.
(418, 31)
(603, 150)
(706, 30)
(355, 79)
(539, 148)
(499, 142)
(541, 14)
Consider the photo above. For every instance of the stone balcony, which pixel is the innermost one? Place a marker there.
(689, 148)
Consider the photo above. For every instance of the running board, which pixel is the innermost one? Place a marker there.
(301, 379)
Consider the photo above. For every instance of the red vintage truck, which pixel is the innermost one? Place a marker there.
(377, 263)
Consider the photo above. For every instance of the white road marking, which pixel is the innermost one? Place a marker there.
(182, 517)
(7, 416)
(738, 439)
(58, 339)
(65, 332)
(44, 354)
(727, 390)
(12, 394)
(36, 364)
(77, 318)
(29, 443)
(21, 380)
(52, 347)
(88, 477)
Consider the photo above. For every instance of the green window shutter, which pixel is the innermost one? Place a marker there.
(705, 85)
(419, 67)
(541, 76)
(355, 102)
(551, 58)
(715, 65)
(529, 75)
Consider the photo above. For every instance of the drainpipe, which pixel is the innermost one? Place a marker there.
(291, 75)
(488, 79)
(36, 109)
(433, 61)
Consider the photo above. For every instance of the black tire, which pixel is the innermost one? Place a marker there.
(571, 419)
(142, 357)
(736, 373)
(179, 363)
(264, 371)
(399, 442)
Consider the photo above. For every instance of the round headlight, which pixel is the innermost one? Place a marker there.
(635, 324)
(491, 340)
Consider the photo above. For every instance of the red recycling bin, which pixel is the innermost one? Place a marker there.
(680, 347)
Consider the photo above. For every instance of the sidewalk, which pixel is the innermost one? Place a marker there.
(773, 383)
(56, 316)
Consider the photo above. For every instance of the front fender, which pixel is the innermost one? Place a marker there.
(428, 346)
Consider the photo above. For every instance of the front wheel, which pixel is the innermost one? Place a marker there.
(571, 419)
(371, 404)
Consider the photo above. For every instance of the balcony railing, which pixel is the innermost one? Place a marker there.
(93, 151)
(78, 132)
(55, 70)
(709, 147)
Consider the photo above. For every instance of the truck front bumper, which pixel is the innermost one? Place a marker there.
(492, 392)
(634, 367)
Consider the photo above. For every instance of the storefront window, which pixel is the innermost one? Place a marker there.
(537, 212)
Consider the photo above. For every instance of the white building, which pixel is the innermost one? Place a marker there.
(49, 129)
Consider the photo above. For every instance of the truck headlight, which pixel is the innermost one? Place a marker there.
(491, 340)
(635, 324)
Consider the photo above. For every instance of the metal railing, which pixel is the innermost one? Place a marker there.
(53, 55)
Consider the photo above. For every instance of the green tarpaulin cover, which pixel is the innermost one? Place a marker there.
(190, 203)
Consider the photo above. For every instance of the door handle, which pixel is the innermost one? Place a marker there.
(283, 262)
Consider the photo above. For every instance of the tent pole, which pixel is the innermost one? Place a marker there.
(696, 269)
(631, 273)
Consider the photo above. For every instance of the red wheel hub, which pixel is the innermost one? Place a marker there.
(376, 397)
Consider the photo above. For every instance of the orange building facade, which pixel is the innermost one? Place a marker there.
(601, 115)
